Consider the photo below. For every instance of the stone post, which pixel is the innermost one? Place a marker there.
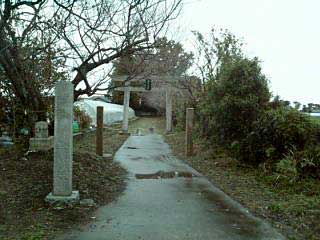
(168, 110)
(41, 140)
(99, 131)
(126, 100)
(189, 126)
(41, 130)
(63, 145)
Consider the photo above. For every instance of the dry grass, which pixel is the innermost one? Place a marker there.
(291, 207)
(285, 206)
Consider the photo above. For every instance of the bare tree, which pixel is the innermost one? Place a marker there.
(84, 36)
(212, 49)
(102, 31)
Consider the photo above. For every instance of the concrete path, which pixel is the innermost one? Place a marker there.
(170, 204)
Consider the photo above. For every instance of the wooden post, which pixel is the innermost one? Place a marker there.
(99, 132)
(168, 110)
(189, 126)
(126, 100)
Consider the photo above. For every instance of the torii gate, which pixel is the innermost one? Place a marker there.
(127, 89)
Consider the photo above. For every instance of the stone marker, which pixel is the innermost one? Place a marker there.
(189, 126)
(168, 110)
(63, 145)
(41, 140)
(88, 202)
(5, 140)
(99, 131)
(107, 156)
(41, 129)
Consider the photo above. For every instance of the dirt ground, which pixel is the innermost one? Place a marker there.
(25, 182)
(294, 209)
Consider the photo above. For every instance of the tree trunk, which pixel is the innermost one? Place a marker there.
(24, 87)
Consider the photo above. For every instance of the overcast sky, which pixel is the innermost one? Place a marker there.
(284, 34)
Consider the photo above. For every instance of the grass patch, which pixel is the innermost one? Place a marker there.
(315, 119)
(35, 232)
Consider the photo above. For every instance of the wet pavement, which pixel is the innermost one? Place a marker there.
(166, 199)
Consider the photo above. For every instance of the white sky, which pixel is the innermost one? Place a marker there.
(284, 34)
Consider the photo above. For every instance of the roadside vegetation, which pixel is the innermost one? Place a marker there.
(316, 120)
(255, 146)
(258, 148)
(292, 207)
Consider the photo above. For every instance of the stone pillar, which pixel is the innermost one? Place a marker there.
(168, 110)
(126, 100)
(189, 126)
(41, 130)
(99, 131)
(63, 145)
(41, 140)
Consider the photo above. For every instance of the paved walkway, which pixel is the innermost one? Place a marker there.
(170, 204)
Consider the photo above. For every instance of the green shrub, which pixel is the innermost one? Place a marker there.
(179, 114)
(299, 164)
(275, 134)
(287, 167)
(83, 118)
(308, 161)
(234, 111)
(235, 99)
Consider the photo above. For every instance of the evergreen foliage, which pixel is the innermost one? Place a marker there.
(235, 111)
(236, 98)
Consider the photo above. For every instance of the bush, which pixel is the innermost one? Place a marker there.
(275, 134)
(235, 112)
(308, 161)
(235, 99)
(83, 118)
(299, 164)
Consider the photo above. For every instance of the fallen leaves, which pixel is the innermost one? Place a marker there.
(25, 184)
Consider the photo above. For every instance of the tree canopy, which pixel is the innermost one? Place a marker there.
(42, 41)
